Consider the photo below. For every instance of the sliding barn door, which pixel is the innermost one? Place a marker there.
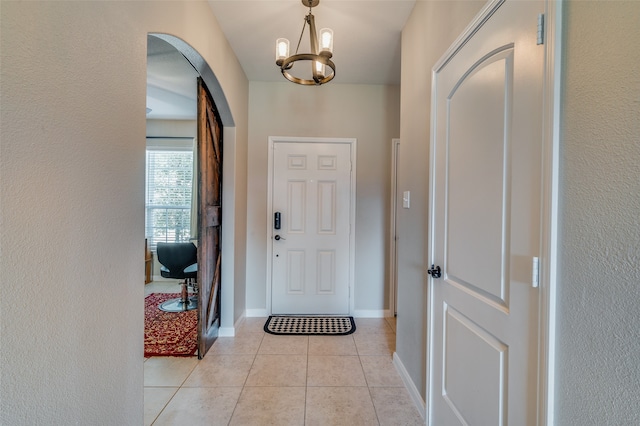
(209, 219)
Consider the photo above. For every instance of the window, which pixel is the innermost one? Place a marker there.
(169, 184)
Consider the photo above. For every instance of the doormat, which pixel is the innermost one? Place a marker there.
(309, 325)
(168, 333)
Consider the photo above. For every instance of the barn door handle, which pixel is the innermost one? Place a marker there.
(435, 271)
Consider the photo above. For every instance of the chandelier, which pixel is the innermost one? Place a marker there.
(321, 69)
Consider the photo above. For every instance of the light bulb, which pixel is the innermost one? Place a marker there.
(282, 49)
(326, 40)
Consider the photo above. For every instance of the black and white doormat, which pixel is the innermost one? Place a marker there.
(309, 325)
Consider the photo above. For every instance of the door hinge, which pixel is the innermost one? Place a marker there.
(540, 29)
(535, 272)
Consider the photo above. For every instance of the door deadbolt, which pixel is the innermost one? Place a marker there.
(277, 220)
(435, 271)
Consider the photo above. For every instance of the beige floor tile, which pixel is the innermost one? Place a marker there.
(395, 407)
(155, 400)
(220, 370)
(332, 345)
(168, 371)
(372, 326)
(262, 406)
(251, 325)
(380, 371)
(327, 406)
(200, 406)
(261, 379)
(246, 344)
(278, 370)
(375, 344)
(331, 370)
(284, 345)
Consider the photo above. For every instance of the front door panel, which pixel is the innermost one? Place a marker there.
(310, 251)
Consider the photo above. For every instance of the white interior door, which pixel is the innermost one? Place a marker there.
(310, 252)
(485, 211)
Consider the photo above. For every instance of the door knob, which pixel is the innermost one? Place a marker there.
(278, 238)
(434, 271)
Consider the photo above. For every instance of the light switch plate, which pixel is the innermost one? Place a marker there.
(406, 199)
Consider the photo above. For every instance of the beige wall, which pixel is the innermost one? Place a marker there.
(172, 128)
(368, 113)
(598, 354)
(72, 200)
(432, 28)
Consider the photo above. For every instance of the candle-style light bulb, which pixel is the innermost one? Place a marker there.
(326, 41)
(282, 50)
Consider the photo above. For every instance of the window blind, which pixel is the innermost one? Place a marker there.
(169, 179)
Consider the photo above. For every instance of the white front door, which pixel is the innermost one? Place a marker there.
(485, 212)
(310, 250)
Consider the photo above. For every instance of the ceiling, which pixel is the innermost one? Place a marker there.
(366, 46)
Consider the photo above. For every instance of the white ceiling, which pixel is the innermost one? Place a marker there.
(366, 46)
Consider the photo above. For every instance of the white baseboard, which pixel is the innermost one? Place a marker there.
(231, 331)
(251, 313)
(363, 313)
(413, 391)
(370, 313)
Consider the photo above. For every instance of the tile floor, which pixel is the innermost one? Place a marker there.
(257, 378)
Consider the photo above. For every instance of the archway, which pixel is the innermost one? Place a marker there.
(204, 71)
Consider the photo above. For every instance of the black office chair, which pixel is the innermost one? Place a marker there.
(180, 261)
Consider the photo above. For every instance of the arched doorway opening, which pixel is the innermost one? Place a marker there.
(181, 78)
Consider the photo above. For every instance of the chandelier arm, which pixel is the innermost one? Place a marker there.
(304, 24)
(313, 44)
(313, 35)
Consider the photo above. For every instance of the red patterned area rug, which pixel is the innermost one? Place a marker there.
(168, 333)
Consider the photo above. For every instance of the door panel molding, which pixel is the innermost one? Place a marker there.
(301, 163)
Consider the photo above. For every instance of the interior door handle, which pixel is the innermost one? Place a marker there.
(435, 272)
(278, 238)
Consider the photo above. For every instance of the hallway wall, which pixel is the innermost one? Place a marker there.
(598, 333)
(72, 163)
(366, 112)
